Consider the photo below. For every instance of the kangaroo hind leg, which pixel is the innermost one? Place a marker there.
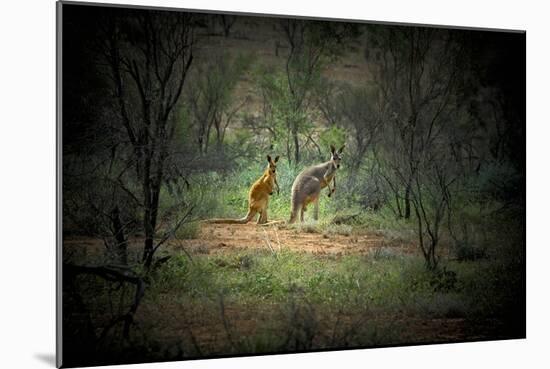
(294, 213)
(263, 217)
(316, 208)
(251, 213)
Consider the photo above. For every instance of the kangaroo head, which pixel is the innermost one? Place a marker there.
(336, 155)
(272, 166)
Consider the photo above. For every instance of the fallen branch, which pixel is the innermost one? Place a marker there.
(278, 240)
(269, 243)
(113, 274)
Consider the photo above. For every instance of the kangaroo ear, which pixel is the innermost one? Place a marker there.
(332, 149)
(269, 159)
(341, 149)
(277, 158)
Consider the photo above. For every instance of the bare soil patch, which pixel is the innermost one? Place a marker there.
(229, 238)
(223, 238)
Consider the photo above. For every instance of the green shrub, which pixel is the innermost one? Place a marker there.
(188, 231)
(468, 252)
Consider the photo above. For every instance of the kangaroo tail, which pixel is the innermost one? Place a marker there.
(243, 220)
(226, 221)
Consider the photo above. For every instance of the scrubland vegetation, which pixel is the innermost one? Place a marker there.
(422, 242)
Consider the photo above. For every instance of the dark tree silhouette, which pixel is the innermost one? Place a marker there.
(148, 56)
(310, 46)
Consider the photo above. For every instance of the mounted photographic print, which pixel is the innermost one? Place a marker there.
(234, 184)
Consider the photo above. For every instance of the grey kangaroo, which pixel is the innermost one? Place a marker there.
(308, 185)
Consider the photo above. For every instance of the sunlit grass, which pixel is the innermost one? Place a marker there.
(387, 281)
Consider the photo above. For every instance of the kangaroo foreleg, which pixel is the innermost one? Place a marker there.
(327, 179)
(333, 189)
(277, 184)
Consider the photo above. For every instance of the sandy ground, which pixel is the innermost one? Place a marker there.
(216, 238)
(204, 323)
(228, 238)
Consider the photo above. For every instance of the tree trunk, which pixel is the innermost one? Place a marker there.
(121, 242)
(149, 235)
(151, 218)
(288, 150)
(407, 200)
(219, 135)
(296, 145)
(147, 200)
(398, 205)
